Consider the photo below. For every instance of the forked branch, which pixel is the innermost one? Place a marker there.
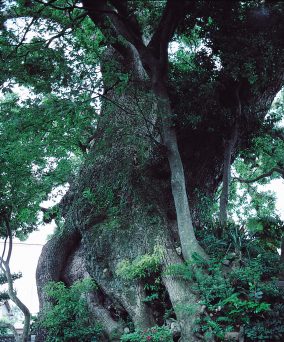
(5, 268)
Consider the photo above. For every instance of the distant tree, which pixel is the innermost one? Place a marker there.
(4, 296)
(5, 268)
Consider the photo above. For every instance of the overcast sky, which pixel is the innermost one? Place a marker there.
(24, 259)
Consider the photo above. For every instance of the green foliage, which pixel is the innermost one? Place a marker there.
(270, 328)
(151, 297)
(244, 296)
(154, 334)
(3, 280)
(68, 317)
(102, 198)
(41, 142)
(35, 156)
(140, 267)
(238, 307)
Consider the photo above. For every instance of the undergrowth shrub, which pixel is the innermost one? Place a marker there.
(153, 334)
(140, 267)
(67, 319)
(237, 287)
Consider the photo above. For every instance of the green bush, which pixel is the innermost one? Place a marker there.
(67, 318)
(140, 267)
(269, 327)
(240, 296)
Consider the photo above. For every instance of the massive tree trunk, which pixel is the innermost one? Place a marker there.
(124, 170)
(137, 190)
(133, 214)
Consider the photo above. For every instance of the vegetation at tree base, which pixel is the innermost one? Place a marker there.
(158, 116)
(68, 319)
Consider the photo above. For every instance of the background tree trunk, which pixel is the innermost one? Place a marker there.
(226, 179)
(184, 220)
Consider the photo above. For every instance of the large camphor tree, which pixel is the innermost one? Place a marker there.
(142, 107)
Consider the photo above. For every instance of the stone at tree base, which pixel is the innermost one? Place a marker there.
(232, 336)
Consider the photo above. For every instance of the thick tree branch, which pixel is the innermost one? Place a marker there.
(156, 53)
(100, 12)
(264, 175)
(173, 13)
(186, 232)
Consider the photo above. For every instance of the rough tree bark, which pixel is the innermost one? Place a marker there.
(154, 59)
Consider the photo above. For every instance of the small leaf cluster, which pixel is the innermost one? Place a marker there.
(140, 267)
(153, 334)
